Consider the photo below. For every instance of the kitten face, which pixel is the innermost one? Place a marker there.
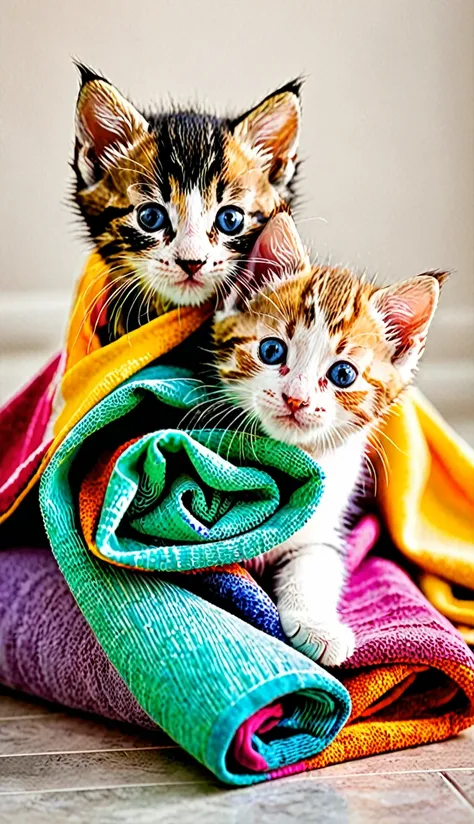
(322, 355)
(176, 199)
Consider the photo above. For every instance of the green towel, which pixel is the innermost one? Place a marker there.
(180, 488)
(197, 670)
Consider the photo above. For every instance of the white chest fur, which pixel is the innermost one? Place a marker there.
(341, 469)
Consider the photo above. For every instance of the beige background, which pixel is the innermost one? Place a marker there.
(388, 141)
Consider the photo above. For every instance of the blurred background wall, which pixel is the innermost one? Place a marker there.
(388, 142)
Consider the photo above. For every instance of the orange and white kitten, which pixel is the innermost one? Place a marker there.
(318, 356)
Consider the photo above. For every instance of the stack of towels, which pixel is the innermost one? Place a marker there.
(122, 590)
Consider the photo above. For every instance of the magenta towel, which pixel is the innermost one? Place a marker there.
(24, 432)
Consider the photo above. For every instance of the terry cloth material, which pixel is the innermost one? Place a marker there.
(47, 647)
(410, 679)
(82, 389)
(24, 435)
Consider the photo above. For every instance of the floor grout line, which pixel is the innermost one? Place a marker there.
(88, 752)
(101, 787)
(457, 790)
(210, 783)
(317, 775)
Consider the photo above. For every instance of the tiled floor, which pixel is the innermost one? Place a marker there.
(58, 766)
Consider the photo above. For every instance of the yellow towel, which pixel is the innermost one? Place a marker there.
(428, 501)
(459, 610)
(93, 371)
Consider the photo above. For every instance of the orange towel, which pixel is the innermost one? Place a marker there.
(384, 719)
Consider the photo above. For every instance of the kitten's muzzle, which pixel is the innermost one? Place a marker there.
(298, 414)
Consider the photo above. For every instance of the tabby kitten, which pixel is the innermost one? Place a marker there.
(174, 199)
(319, 357)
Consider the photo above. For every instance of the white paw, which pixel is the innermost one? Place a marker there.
(327, 642)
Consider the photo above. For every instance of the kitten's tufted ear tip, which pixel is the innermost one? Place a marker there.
(294, 86)
(86, 73)
(440, 276)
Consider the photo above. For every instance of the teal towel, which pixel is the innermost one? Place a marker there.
(197, 670)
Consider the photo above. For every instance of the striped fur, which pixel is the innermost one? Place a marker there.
(191, 163)
(322, 315)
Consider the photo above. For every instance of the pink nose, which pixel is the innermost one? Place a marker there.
(294, 403)
(190, 266)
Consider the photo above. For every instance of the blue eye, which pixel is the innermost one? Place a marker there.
(230, 220)
(273, 351)
(342, 374)
(151, 217)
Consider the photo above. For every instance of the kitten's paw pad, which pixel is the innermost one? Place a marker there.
(327, 642)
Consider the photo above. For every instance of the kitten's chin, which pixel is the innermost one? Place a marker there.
(187, 293)
(292, 433)
(316, 438)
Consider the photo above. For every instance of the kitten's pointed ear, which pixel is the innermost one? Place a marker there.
(406, 310)
(272, 128)
(106, 123)
(277, 253)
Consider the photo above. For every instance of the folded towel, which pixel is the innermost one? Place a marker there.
(410, 679)
(417, 682)
(47, 647)
(428, 501)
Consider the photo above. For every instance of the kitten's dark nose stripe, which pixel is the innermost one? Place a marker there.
(190, 266)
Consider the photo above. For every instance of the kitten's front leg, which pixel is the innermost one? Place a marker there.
(307, 586)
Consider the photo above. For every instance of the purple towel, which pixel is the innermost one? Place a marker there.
(47, 647)
(411, 678)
